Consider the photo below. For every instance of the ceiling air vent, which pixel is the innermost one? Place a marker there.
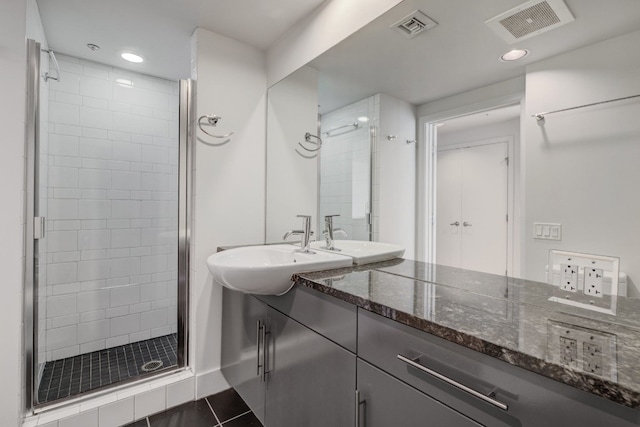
(530, 19)
(414, 24)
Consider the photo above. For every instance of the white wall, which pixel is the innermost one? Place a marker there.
(582, 166)
(229, 178)
(396, 174)
(12, 108)
(331, 23)
(479, 133)
(292, 180)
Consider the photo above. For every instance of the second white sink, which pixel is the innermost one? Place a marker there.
(362, 252)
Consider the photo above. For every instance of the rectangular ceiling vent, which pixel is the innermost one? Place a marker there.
(530, 19)
(414, 24)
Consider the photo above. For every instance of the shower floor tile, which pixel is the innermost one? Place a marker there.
(73, 375)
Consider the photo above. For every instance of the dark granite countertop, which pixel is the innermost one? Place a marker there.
(506, 318)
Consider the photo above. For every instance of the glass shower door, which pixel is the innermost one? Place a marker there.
(346, 169)
(107, 206)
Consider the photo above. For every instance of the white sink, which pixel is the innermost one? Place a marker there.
(267, 270)
(362, 252)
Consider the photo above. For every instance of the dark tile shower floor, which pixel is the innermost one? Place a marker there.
(225, 409)
(73, 375)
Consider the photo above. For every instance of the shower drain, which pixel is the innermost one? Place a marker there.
(152, 365)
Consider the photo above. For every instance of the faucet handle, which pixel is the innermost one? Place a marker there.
(328, 220)
(303, 216)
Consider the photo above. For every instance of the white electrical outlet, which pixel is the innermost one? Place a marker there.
(569, 277)
(582, 349)
(593, 278)
(569, 352)
(592, 358)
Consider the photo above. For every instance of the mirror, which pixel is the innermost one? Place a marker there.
(435, 112)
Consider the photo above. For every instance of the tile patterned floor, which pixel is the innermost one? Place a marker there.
(67, 377)
(225, 409)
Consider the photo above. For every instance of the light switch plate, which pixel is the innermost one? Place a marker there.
(547, 231)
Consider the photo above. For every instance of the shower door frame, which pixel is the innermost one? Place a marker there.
(30, 272)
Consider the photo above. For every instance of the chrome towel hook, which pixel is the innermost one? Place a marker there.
(307, 139)
(212, 120)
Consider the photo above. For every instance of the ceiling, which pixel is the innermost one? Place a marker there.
(160, 30)
(461, 53)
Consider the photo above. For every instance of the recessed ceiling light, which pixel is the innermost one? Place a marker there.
(93, 46)
(131, 57)
(363, 119)
(514, 55)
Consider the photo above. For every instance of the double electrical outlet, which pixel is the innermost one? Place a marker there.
(592, 279)
(591, 355)
(583, 349)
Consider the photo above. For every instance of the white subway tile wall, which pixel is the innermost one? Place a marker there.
(109, 186)
(345, 168)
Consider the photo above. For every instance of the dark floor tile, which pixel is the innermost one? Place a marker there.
(139, 423)
(191, 414)
(227, 404)
(247, 420)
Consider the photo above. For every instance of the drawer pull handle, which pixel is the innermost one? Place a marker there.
(259, 328)
(454, 383)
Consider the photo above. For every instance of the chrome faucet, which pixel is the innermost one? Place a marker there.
(329, 231)
(305, 234)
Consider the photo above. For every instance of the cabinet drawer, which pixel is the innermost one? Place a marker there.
(386, 401)
(531, 399)
(328, 316)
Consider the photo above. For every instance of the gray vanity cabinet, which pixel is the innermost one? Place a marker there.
(482, 388)
(289, 374)
(310, 380)
(385, 401)
(243, 319)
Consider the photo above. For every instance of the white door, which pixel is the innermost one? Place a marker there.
(449, 206)
(472, 192)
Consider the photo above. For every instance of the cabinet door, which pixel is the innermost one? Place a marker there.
(311, 380)
(386, 401)
(243, 319)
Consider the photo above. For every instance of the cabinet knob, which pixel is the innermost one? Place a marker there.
(466, 224)
(457, 223)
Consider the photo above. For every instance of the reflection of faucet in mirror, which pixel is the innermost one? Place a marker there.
(329, 231)
(305, 234)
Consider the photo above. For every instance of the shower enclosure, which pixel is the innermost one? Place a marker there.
(107, 256)
(347, 165)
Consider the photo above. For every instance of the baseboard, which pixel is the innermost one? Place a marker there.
(209, 383)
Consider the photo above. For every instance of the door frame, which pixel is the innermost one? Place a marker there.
(509, 140)
(427, 170)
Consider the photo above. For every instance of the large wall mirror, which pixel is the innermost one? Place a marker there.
(417, 133)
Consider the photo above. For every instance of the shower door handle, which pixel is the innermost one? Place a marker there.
(38, 227)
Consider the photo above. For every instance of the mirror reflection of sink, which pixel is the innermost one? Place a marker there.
(267, 270)
(362, 252)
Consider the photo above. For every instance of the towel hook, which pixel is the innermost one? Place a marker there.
(317, 142)
(307, 138)
(212, 120)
